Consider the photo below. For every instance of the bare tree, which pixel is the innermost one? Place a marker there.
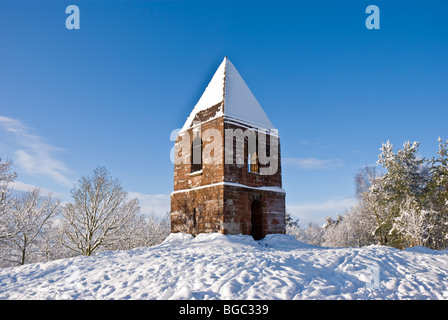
(29, 214)
(129, 236)
(140, 231)
(6, 202)
(364, 179)
(157, 229)
(97, 214)
(49, 242)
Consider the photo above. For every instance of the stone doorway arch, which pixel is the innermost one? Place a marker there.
(256, 213)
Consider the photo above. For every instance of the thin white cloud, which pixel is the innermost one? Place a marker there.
(34, 155)
(316, 212)
(313, 163)
(25, 187)
(159, 204)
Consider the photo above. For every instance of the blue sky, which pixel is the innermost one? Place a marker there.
(111, 92)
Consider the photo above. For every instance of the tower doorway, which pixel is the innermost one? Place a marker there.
(257, 220)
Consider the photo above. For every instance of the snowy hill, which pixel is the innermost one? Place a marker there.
(215, 266)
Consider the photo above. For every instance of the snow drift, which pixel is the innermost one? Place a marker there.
(216, 266)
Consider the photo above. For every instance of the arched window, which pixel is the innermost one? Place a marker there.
(196, 155)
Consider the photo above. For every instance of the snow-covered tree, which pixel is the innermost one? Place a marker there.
(333, 235)
(437, 197)
(293, 228)
(406, 172)
(49, 242)
(406, 177)
(313, 234)
(29, 215)
(354, 229)
(6, 202)
(99, 210)
(129, 235)
(406, 205)
(157, 230)
(364, 179)
(411, 224)
(139, 231)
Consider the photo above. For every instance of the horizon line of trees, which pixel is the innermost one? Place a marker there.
(406, 205)
(38, 228)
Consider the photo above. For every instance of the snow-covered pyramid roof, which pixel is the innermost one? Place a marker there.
(229, 93)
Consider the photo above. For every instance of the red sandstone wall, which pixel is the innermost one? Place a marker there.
(211, 173)
(209, 205)
(237, 210)
(223, 208)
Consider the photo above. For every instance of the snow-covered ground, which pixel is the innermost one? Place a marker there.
(215, 266)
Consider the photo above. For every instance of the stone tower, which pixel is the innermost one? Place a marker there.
(227, 171)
